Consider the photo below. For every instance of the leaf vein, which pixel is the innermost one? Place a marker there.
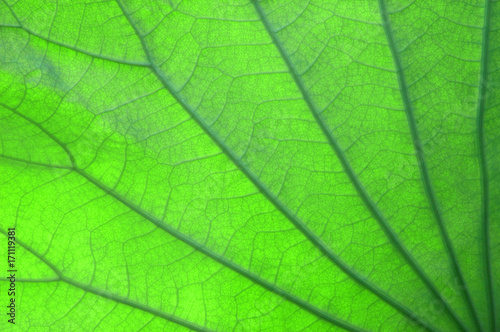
(483, 90)
(101, 293)
(425, 174)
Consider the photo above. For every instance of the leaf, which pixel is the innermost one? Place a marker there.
(251, 165)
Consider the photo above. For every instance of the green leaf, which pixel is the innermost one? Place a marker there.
(251, 165)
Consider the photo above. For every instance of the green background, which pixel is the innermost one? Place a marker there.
(251, 165)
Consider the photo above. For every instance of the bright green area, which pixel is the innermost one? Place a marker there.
(251, 165)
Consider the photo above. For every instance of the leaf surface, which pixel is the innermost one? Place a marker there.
(252, 165)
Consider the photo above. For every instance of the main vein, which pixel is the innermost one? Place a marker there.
(483, 89)
(98, 292)
(186, 239)
(391, 234)
(431, 197)
(267, 193)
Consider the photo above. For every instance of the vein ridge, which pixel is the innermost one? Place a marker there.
(220, 259)
(101, 293)
(185, 239)
(483, 90)
(265, 191)
(74, 48)
(34, 162)
(376, 213)
(431, 197)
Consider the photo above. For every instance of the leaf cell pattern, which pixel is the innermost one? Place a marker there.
(252, 165)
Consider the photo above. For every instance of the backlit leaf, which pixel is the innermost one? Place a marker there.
(251, 165)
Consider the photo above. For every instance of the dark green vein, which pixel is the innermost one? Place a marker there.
(483, 90)
(266, 192)
(101, 293)
(431, 197)
(219, 258)
(34, 162)
(73, 48)
(377, 214)
(49, 134)
(182, 237)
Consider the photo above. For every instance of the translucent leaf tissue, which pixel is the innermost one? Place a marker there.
(227, 165)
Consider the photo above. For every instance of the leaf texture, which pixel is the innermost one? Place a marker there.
(252, 165)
